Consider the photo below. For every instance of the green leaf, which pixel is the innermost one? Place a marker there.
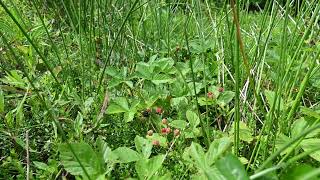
(245, 133)
(217, 148)
(146, 168)
(195, 155)
(180, 124)
(199, 87)
(143, 146)
(271, 97)
(126, 155)
(311, 144)
(78, 123)
(144, 70)
(128, 116)
(298, 172)
(225, 98)
(193, 119)
(163, 65)
(87, 157)
(114, 82)
(179, 101)
(113, 72)
(231, 168)
(41, 165)
(103, 149)
(281, 141)
(204, 101)
(161, 78)
(309, 112)
(119, 105)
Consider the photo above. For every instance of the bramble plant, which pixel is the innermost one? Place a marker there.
(159, 89)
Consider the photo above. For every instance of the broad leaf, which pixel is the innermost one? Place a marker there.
(193, 119)
(312, 144)
(88, 158)
(161, 78)
(126, 155)
(225, 98)
(103, 150)
(217, 148)
(231, 168)
(146, 168)
(195, 155)
(143, 146)
(119, 105)
(180, 124)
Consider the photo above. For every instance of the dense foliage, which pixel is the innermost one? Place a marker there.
(159, 89)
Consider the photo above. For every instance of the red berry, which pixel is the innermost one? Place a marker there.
(176, 132)
(164, 121)
(164, 131)
(159, 110)
(210, 95)
(155, 143)
(150, 133)
(220, 89)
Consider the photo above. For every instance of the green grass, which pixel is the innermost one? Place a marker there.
(86, 80)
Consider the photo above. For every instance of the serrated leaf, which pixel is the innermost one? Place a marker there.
(193, 119)
(309, 112)
(103, 149)
(199, 87)
(217, 148)
(143, 146)
(195, 154)
(87, 157)
(180, 124)
(146, 168)
(161, 78)
(41, 165)
(204, 101)
(225, 98)
(311, 144)
(144, 70)
(271, 97)
(113, 72)
(119, 105)
(126, 155)
(231, 168)
(128, 116)
(245, 133)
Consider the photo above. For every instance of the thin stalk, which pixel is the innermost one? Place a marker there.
(31, 42)
(114, 43)
(43, 102)
(287, 145)
(203, 125)
(237, 84)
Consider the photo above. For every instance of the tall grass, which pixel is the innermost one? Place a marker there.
(98, 34)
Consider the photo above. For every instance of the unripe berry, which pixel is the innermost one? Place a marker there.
(150, 133)
(164, 121)
(176, 132)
